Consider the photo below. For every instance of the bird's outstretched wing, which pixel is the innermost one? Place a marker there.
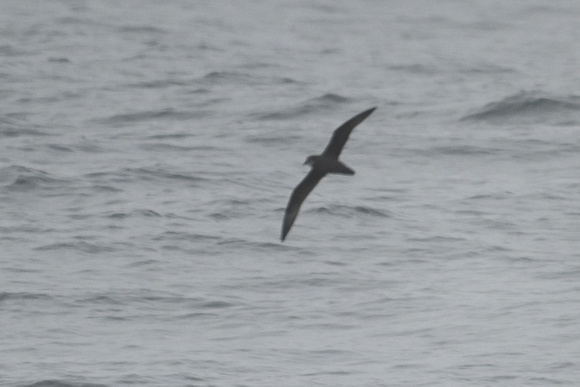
(340, 135)
(298, 195)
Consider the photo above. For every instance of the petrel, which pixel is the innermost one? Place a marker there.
(327, 162)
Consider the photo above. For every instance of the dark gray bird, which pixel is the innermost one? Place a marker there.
(322, 164)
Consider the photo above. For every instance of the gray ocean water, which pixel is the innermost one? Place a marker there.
(148, 150)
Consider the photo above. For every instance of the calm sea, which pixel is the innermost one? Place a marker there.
(148, 150)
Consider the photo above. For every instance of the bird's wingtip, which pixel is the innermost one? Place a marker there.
(367, 112)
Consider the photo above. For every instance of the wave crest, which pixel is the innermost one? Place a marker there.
(530, 107)
(353, 211)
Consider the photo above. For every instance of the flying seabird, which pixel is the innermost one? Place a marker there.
(322, 164)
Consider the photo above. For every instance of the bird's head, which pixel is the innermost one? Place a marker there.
(310, 160)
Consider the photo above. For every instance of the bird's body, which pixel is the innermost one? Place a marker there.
(321, 165)
(327, 164)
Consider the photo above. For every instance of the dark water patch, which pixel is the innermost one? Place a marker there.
(154, 115)
(266, 246)
(105, 189)
(58, 60)
(267, 67)
(336, 263)
(161, 147)
(415, 68)
(22, 179)
(76, 20)
(486, 68)
(538, 149)
(21, 296)
(232, 242)
(135, 213)
(491, 196)
(435, 239)
(142, 30)
(84, 247)
(227, 77)
(180, 236)
(9, 50)
(217, 305)
(462, 150)
(128, 175)
(31, 183)
(158, 84)
(140, 297)
(88, 147)
(200, 90)
(287, 81)
(238, 78)
(495, 224)
(12, 127)
(271, 140)
(351, 211)
(41, 100)
(60, 148)
(26, 229)
(283, 115)
(324, 102)
(100, 299)
(164, 147)
(221, 216)
(544, 11)
(170, 136)
(58, 383)
(327, 100)
(152, 263)
(485, 25)
(318, 280)
(230, 209)
(530, 107)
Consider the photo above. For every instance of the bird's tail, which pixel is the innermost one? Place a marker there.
(342, 169)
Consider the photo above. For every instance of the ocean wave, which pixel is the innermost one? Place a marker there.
(142, 29)
(19, 296)
(135, 213)
(229, 209)
(530, 107)
(415, 68)
(172, 148)
(58, 383)
(19, 178)
(463, 150)
(141, 174)
(10, 127)
(320, 103)
(351, 211)
(146, 116)
(80, 246)
(242, 78)
(158, 84)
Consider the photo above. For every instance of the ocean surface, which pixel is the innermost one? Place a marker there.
(148, 150)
